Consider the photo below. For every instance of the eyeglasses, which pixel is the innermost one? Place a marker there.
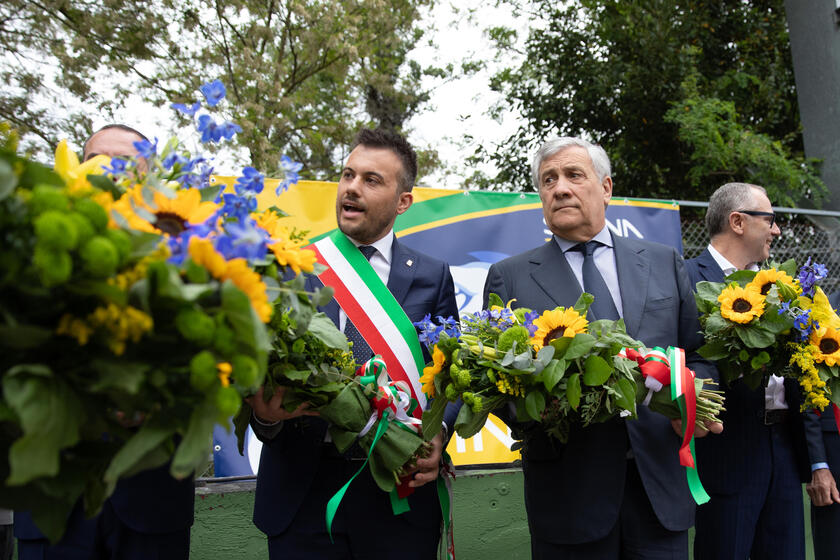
(771, 215)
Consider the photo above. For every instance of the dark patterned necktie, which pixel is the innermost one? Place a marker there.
(603, 307)
(361, 350)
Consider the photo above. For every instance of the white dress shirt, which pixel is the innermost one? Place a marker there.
(381, 263)
(774, 393)
(604, 257)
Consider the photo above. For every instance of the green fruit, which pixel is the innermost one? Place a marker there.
(122, 241)
(56, 230)
(47, 197)
(196, 326)
(245, 370)
(100, 257)
(203, 371)
(228, 402)
(518, 334)
(84, 228)
(55, 267)
(460, 377)
(92, 211)
(451, 393)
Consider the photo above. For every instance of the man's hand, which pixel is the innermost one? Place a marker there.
(823, 489)
(273, 411)
(714, 427)
(428, 468)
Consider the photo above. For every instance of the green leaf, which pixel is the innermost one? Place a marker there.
(715, 323)
(580, 345)
(535, 405)
(627, 390)
(210, 192)
(508, 358)
(755, 337)
(553, 373)
(143, 243)
(50, 417)
(194, 448)
(433, 418)
(775, 323)
(125, 376)
(106, 184)
(545, 355)
(8, 179)
(709, 291)
(30, 369)
(741, 277)
(325, 330)
(583, 302)
(470, 423)
(146, 439)
(560, 346)
(714, 351)
(493, 300)
(790, 267)
(573, 391)
(596, 371)
(249, 329)
(23, 337)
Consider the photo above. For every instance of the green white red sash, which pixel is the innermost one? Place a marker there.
(378, 317)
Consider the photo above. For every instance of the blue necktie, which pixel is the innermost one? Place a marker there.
(603, 307)
(361, 350)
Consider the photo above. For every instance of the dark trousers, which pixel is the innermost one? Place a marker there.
(105, 537)
(7, 542)
(825, 520)
(764, 520)
(637, 535)
(364, 527)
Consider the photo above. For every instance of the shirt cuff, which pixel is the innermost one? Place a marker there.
(817, 466)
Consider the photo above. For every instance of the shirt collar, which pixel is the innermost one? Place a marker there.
(726, 266)
(602, 236)
(383, 245)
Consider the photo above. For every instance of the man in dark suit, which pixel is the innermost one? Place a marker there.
(299, 471)
(615, 489)
(149, 515)
(824, 454)
(753, 472)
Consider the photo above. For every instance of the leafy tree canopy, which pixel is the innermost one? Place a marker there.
(302, 75)
(683, 94)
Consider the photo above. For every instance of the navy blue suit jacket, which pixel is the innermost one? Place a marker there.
(289, 461)
(816, 425)
(150, 502)
(573, 492)
(724, 462)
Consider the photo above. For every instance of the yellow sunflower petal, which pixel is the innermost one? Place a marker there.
(741, 305)
(66, 160)
(827, 342)
(557, 323)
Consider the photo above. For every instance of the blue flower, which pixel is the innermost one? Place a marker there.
(238, 206)
(808, 276)
(243, 239)
(214, 132)
(172, 159)
(251, 182)
(530, 317)
(229, 130)
(146, 149)
(213, 92)
(784, 307)
(290, 170)
(189, 111)
(118, 166)
(430, 332)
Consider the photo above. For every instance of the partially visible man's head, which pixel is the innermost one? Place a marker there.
(375, 185)
(573, 179)
(742, 213)
(112, 140)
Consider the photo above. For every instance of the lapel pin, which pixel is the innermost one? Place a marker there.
(409, 262)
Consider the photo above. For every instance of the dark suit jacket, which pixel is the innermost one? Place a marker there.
(150, 502)
(290, 459)
(573, 492)
(726, 461)
(816, 425)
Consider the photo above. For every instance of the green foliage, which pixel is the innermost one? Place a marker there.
(611, 71)
(302, 75)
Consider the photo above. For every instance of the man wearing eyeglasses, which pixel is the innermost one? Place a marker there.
(753, 471)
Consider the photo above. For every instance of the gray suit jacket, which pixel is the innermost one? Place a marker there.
(573, 492)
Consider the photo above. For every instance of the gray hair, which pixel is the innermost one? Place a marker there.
(726, 199)
(600, 160)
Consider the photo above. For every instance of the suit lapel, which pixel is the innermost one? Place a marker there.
(554, 275)
(633, 266)
(403, 267)
(708, 268)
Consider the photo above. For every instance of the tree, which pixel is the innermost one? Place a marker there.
(301, 75)
(612, 70)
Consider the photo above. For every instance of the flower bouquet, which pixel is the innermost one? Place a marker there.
(775, 320)
(556, 368)
(133, 317)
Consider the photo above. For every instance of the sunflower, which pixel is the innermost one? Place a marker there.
(289, 252)
(237, 271)
(767, 278)
(827, 341)
(429, 372)
(740, 305)
(171, 214)
(557, 323)
(74, 173)
(821, 310)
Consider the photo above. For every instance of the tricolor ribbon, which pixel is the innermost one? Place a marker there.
(391, 402)
(667, 367)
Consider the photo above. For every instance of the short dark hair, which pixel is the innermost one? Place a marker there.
(116, 125)
(381, 138)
